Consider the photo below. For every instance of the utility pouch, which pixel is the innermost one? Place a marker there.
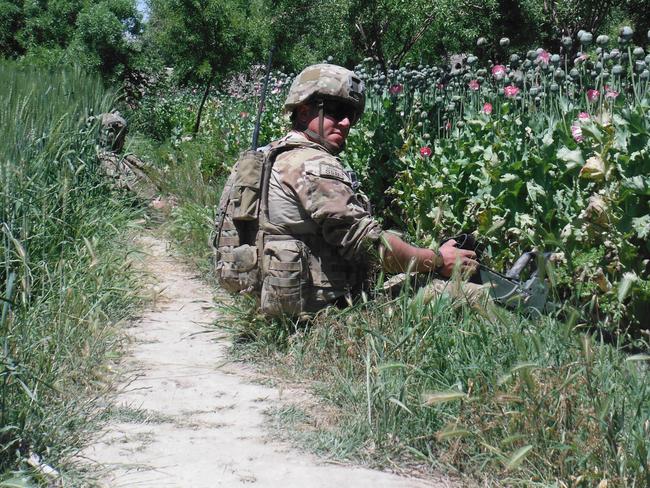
(237, 268)
(285, 276)
(245, 191)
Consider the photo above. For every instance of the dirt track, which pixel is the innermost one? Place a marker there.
(183, 419)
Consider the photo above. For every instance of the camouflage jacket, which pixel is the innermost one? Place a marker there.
(318, 233)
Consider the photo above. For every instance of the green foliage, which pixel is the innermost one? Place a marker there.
(204, 39)
(307, 32)
(99, 35)
(63, 281)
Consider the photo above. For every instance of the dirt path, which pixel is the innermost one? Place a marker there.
(183, 420)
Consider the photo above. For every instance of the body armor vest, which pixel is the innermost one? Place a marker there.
(265, 244)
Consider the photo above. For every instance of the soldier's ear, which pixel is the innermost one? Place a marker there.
(303, 115)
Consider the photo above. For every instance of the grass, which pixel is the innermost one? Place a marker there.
(504, 399)
(65, 265)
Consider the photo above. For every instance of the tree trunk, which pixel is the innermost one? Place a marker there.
(197, 124)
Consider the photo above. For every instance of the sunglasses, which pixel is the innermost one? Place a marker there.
(340, 111)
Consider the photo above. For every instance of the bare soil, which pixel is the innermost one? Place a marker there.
(186, 417)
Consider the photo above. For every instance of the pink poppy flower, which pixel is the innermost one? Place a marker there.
(592, 95)
(544, 57)
(243, 115)
(499, 71)
(276, 90)
(448, 125)
(440, 86)
(395, 89)
(473, 85)
(425, 151)
(576, 132)
(487, 108)
(611, 94)
(511, 91)
(583, 116)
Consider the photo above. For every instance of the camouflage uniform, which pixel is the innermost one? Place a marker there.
(318, 234)
(125, 172)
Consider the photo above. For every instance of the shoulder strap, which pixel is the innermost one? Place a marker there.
(263, 212)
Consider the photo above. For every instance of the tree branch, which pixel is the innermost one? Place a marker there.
(398, 58)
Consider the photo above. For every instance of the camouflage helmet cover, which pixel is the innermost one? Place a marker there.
(328, 81)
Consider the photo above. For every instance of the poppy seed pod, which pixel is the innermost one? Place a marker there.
(555, 59)
(638, 52)
(617, 70)
(626, 33)
(586, 38)
(602, 40)
(482, 41)
(567, 41)
(645, 75)
(504, 42)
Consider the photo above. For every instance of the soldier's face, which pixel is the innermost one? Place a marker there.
(336, 121)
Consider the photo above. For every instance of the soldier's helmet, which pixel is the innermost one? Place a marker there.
(112, 131)
(330, 82)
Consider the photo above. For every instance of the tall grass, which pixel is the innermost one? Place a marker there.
(511, 401)
(63, 280)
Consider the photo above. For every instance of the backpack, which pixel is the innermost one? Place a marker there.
(236, 232)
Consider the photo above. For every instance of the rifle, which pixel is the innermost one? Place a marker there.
(260, 107)
(523, 287)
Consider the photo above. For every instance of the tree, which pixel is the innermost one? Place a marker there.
(307, 32)
(552, 19)
(11, 19)
(426, 29)
(98, 34)
(204, 40)
(104, 35)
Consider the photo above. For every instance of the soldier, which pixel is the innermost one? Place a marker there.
(126, 172)
(318, 236)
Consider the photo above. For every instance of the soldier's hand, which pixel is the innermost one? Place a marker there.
(451, 255)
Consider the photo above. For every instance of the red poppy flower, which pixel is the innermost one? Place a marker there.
(592, 95)
(499, 71)
(425, 151)
(511, 91)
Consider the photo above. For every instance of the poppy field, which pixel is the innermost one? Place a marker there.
(538, 150)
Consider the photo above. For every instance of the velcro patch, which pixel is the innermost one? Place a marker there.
(330, 171)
